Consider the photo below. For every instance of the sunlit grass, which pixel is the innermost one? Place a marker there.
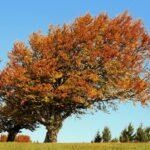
(59, 146)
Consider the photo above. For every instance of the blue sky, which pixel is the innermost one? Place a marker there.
(18, 19)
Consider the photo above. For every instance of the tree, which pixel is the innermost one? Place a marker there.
(106, 135)
(97, 138)
(127, 135)
(12, 121)
(147, 134)
(124, 136)
(140, 134)
(89, 64)
(130, 132)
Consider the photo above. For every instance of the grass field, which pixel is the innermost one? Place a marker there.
(101, 146)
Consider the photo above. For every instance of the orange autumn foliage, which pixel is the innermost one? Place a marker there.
(19, 138)
(22, 138)
(3, 138)
(92, 60)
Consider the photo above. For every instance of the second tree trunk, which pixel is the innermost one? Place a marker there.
(11, 136)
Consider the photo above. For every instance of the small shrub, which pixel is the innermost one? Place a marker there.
(115, 140)
(3, 138)
(23, 138)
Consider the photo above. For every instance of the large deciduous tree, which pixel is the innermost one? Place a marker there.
(89, 64)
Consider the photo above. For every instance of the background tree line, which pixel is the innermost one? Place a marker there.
(127, 135)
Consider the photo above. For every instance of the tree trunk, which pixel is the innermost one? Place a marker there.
(52, 118)
(53, 128)
(11, 136)
(51, 135)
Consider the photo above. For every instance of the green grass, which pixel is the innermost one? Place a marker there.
(101, 146)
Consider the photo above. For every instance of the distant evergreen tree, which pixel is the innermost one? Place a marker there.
(130, 133)
(147, 134)
(140, 135)
(106, 135)
(97, 138)
(124, 136)
(127, 135)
